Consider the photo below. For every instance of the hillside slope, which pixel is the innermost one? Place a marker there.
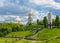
(46, 34)
(20, 34)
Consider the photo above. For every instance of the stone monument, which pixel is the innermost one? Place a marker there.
(49, 20)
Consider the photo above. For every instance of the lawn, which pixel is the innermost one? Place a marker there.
(23, 41)
(46, 34)
(20, 34)
(43, 36)
(54, 41)
(6, 40)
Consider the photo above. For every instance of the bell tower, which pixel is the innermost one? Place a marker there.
(30, 17)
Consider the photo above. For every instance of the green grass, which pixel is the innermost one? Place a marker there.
(42, 35)
(46, 34)
(20, 34)
(54, 41)
(23, 41)
(39, 42)
(6, 40)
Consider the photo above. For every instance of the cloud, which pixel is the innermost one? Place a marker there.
(6, 18)
(23, 8)
(17, 10)
(46, 3)
(1, 19)
(36, 13)
(17, 1)
(18, 18)
(2, 3)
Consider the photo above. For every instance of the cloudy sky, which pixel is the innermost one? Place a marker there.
(17, 10)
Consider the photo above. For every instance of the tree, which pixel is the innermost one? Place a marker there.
(45, 22)
(29, 23)
(53, 23)
(38, 21)
(57, 21)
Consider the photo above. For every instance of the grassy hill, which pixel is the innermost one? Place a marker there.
(6, 40)
(20, 34)
(54, 41)
(46, 34)
(43, 36)
(24, 41)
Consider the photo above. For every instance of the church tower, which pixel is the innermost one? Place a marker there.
(49, 20)
(30, 18)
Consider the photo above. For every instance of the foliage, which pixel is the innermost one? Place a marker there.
(6, 28)
(57, 22)
(45, 22)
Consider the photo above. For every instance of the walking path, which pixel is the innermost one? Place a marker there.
(33, 41)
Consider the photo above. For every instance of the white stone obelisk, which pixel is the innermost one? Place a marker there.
(49, 20)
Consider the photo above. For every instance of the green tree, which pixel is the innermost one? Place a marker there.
(57, 21)
(38, 21)
(45, 22)
(53, 23)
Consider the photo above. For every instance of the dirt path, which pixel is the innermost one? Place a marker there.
(33, 41)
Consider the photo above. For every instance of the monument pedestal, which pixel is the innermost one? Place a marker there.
(50, 25)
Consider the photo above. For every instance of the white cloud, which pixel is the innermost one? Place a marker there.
(47, 3)
(18, 18)
(11, 17)
(35, 13)
(2, 19)
(17, 1)
(26, 17)
(39, 2)
(2, 2)
(23, 8)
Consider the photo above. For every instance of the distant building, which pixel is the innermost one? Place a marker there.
(29, 17)
(49, 20)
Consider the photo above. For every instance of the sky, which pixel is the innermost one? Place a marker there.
(17, 10)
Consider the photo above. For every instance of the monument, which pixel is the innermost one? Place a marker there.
(49, 20)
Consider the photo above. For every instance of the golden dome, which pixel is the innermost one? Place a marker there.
(30, 12)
